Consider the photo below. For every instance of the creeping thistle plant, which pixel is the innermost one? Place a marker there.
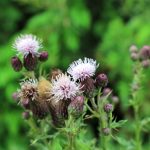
(141, 61)
(57, 107)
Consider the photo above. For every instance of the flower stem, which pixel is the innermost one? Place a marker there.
(103, 138)
(137, 128)
(136, 103)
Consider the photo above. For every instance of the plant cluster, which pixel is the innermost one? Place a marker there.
(58, 105)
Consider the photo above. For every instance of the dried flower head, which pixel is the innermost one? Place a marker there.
(54, 73)
(81, 69)
(43, 88)
(28, 89)
(26, 44)
(64, 88)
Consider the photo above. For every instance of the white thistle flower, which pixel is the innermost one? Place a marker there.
(64, 88)
(26, 44)
(81, 69)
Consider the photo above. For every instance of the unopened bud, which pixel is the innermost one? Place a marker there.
(87, 86)
(43, 56)
(26, 115)
(76, 105)
(16, 63)
(15, 96)
(25, 103)
(106, 131)
(135, 87)
(101, 80)
(134, 56)
(145, 52)
(115, 99)
(30, 62)
(106, 91)
(146, 63)
(108, 108)
(133, 49)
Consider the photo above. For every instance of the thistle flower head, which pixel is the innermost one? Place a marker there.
(64, 88)
(28, 89)
(81, 69)
(26, 44)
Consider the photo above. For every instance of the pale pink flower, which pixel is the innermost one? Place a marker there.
(64, 88)
(26, 44)
(81, 69)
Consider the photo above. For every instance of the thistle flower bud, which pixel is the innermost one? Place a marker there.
(101, 80)
(26, 115)
(133, 49)
(106, 91)
(30, 62)
(43, 56)
(15, 96)
(145, 52)
(87, 86)
(135, 86)
(108, 108)
(106, 131)
(115, 99)
(146, 63)
(16, 63)
(76, 105)
(25, 103)
(134, 56)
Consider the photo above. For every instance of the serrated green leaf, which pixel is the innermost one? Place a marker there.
(118, 124)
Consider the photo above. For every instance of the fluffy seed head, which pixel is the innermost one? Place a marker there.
(81, 69)
(26, 44)
(64, 88)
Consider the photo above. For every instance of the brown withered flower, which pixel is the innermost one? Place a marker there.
(31, 99)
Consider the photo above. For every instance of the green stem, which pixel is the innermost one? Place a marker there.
(71, 141)
(103, 138)
(136, 104)
(137, 128)
(70, 133)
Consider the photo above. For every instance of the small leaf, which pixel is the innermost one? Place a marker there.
(118, 124)
(145, 121)
(124, 142)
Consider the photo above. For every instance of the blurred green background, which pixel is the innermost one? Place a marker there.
(71, 29)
